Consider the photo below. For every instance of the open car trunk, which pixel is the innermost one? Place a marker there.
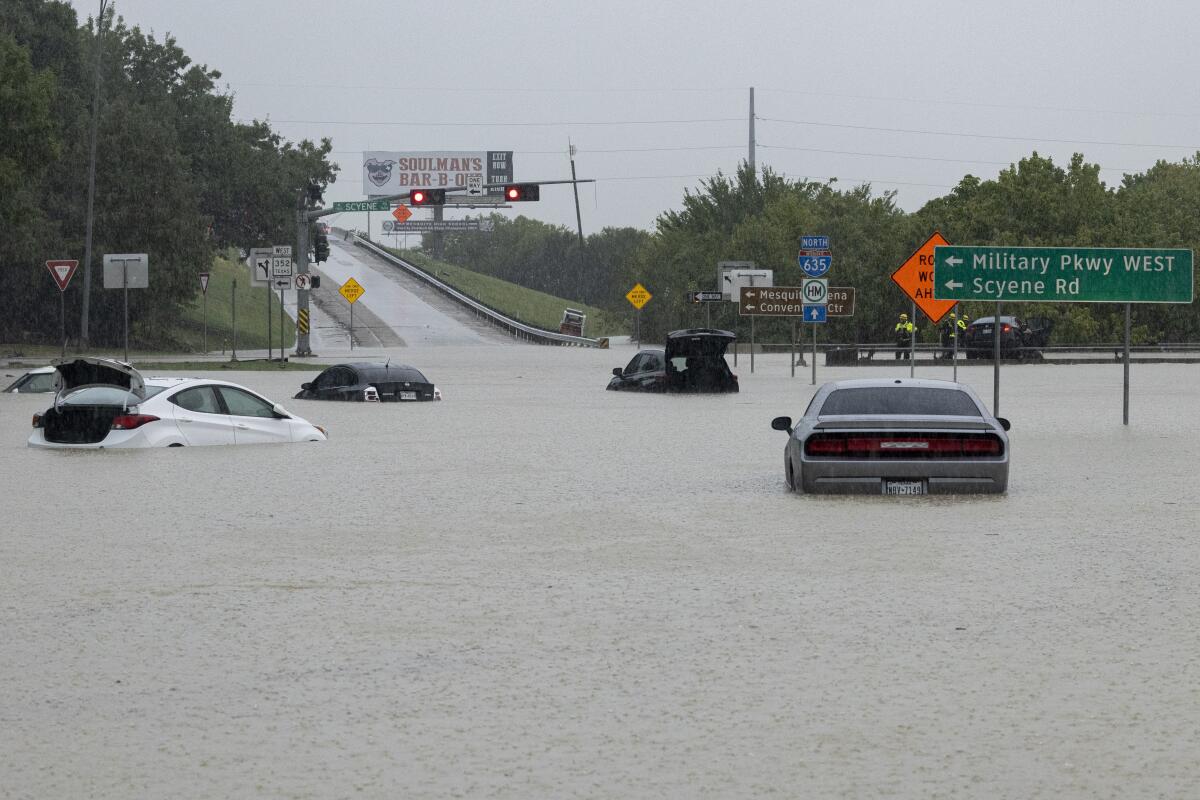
(91, 393)
(696, 361)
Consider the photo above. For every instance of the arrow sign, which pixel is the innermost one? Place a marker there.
(814, 314)
(954, 284)
(954, 261)
(62, 270)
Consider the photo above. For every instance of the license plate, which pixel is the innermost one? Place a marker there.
(904, 487)
(408, 395)
(987, 331)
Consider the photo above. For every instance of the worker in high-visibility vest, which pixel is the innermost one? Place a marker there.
(953, 329)
(905, 330)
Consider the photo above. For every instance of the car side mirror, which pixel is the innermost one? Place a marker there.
(782, 424)
(306, 386)
(617, 371)
(1004, 423)
(281, 412)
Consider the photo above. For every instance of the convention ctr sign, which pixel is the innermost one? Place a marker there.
(387, 172)
(1063, 274)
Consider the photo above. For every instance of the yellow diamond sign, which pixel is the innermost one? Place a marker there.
(352, 290)
(638, 296)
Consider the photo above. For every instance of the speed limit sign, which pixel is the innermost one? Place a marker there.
(302, 281)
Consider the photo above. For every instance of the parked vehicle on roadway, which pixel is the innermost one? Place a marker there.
(895, 436)
(692, 361)
(1019, 339)
(572, 322)
(371, 382)
(102, 403)
(33, 382)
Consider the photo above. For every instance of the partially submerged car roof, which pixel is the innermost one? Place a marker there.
(386, 372)
(90, 371)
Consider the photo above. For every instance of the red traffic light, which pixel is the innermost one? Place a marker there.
(427, 197)
(518, 192)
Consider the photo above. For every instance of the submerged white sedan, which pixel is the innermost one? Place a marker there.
(896, 436)
(100, 403)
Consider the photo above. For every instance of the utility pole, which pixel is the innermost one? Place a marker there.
(751, 157)
(578, 218)
(91, 199)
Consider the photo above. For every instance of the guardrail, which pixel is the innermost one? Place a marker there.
(518, 329)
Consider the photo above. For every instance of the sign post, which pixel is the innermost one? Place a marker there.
(281, 272)
(352, 290)
(638, 296)
(127, 271)
(204, 313)
(62, 270)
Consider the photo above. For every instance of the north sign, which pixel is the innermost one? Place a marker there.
(1063, 274)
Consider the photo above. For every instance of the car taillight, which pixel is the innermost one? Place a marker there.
(127, 422)
(37, 420)
(1005, 328)
(905, 446)
(825, 447)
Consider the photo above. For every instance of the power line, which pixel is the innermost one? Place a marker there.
(913, 158)
(974, 135)
(498, 124)
(601, 150)
(482, 90)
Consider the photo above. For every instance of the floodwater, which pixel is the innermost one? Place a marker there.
(537, 588)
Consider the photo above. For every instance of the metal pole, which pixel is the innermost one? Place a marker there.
(750, 159)
(125, 283)
(814, 367)
(638, 328)
(912, 346)
(1128, 324)
(270, 341)
(708, 315)
(352, 326)
(792, 348)
(578, 218)
(280, 325)
(752, 345)
(205, 313)
(300, 259)
(233, 305)
(955, 329)
(996, 363)
(62, 298)
(84, 337)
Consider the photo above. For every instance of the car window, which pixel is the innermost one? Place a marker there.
(42, 382)
(330, 378)
(243, 404)
(107, 396)
(199, 399)
(634, 365)
(679, 363)
(900, 400)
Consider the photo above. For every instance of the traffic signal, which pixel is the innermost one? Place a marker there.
(321, 247)
(427, 197)
(314, 281)
(518, 192)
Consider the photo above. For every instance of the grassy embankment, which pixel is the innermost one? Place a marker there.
(526, 305)
(251, 314)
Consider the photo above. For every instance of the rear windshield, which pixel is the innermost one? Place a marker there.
(392, 375)
(900, 400)
(107, 396)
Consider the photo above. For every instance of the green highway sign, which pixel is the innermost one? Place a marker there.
(1063, 274)
(363, 205)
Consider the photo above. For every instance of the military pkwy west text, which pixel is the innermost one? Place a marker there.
(1053, 274)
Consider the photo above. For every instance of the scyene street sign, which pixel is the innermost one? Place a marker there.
(1063, 274)
(363, 205)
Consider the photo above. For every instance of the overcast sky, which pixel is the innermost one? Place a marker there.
(908, 96)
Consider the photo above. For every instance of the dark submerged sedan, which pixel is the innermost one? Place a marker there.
(895, 436)
(371, 382)
(692, 361)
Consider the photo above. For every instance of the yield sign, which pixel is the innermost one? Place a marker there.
(915, 277)
(204, 283)
(62, 270)
(401, 213)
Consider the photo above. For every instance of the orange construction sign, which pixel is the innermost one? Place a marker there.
(401, 213)
(915, 278)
